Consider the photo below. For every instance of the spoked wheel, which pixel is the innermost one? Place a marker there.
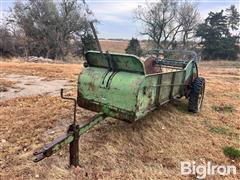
(196, 95)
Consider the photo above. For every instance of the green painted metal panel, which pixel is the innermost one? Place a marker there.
(178, 80)
(96, 59)
(93, 122)
(165, 87)
(128, 93)
(123, 62)
(190, 69)
(119, 95)
(146, 96)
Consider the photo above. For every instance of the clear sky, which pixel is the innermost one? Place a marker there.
(116, 16)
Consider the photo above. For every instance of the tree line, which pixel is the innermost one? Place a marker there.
(174, 24)
(58, 29)
(46, 28)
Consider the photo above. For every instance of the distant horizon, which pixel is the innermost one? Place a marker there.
(116, 17)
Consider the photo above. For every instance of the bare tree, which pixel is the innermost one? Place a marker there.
(37, 19)
(53, 29)
(159, 21)
(12, 41)
(71, 23)
(164, 20)
(6, 45)
(188, 16)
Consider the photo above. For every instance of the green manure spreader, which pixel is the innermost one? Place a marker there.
(127, 87)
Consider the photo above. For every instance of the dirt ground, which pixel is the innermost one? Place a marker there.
(30, 86)
(148, 149)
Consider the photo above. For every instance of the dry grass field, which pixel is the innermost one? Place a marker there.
(148, 149)
(114, 46)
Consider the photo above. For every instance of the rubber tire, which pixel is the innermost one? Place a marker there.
(197, 89)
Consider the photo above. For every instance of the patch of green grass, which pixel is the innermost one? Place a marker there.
(218, 130)
(232, 152)
(223, 108)
(207, 123)
(232, 95)
(237, 96)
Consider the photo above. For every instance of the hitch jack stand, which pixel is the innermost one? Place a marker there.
(74, 145)
(71, 137)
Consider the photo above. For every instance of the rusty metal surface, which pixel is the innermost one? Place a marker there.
(74, 145)
(109, 110)
(151, 67)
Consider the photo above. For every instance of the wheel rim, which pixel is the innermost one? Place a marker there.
(200, 98)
